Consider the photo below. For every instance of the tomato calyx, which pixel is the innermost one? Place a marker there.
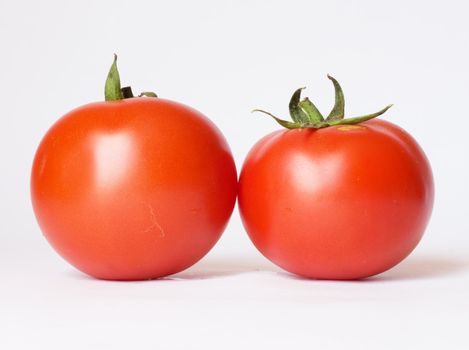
(304, 113)
(113, 90)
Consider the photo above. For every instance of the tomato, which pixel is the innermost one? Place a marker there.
(340, 201)
(133, 189)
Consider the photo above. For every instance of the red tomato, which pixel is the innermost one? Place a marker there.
(133, 189)
(341, 202)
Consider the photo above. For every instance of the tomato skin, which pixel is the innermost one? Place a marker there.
(133, 189)
(343, 202)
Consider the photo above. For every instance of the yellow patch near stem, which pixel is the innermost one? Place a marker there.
(350, 127)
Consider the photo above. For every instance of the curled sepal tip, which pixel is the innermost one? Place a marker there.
(148, 94)
(112, 89)
(360, 119)
(296, 113)
(338, 111)
(284, 123)
(304, 113)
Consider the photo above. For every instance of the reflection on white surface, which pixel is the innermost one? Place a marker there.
(233, 292)
(112, 158)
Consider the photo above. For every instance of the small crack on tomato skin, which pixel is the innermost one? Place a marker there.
(154, 223)
(129, 190)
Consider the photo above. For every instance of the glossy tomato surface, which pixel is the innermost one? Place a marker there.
(133, 189)
(343, 202)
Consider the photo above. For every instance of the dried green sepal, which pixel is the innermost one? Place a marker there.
(305, 114)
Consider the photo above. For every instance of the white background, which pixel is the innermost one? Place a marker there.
(225, 58)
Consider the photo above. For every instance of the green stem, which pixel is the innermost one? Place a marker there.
(112, 89)
(304, 113)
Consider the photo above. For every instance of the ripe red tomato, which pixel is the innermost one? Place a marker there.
(336, 202)
(133, 189)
